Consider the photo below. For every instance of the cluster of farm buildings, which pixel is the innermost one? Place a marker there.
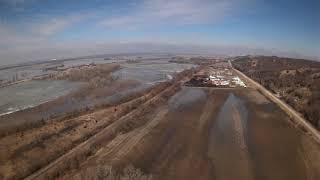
(217, 78)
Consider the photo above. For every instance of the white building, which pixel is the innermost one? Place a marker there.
(238, 81)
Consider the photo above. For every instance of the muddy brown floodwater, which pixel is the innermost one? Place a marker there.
(221, 134)
(228, 140)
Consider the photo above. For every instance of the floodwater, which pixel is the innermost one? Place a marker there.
(252, 140)
(29, 71)
(150, 73)
(228, 140)
(23, 72)
(31, 93)
(187, 96)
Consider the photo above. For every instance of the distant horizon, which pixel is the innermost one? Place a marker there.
(51, 29)
(74, 58)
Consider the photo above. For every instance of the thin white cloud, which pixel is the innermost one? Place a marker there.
(36, 29)
(17, 37)
(32, 39)
(54, 25)
(11, 38)
(178, 12)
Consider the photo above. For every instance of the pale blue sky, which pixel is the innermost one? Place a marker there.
(34, 29)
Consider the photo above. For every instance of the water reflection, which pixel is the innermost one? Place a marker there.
(188, 96)
(228, 141)
(150, 73)
(32, 93)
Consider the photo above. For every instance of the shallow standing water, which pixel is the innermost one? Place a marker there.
(150, 72)
(28, 94)
(32, 93)
(253, 140)
(186, 97)
(228, 140)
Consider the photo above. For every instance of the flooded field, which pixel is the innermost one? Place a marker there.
(64, 98)
(205, 133)
(248, 140)
(239, 138)
(227, 145)
(32, 93)
(150, 72)
(29, 94)
(168, 131)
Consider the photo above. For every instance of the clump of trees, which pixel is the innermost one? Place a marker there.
(296, 81)
(87, 73)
